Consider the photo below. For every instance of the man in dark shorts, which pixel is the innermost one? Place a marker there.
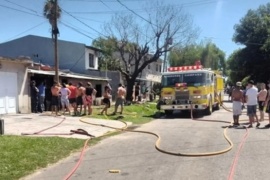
(79, 98)
(72, 96)
(34, 97)
(137, 91)
(106, 100)
(121, 94)
(55, 96)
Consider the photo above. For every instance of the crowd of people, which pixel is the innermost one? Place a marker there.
(67, 97)
(252, 97)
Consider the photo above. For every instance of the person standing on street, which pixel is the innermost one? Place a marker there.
(251, 99)
(72, 96)
(238, 100)
(41, 89)
(34, 97)
(267, 104)
(106, 100)
(55, 96)
(79, 98)
(65, 93)
(88, 98)
(121, 93)
(261, 98)
(137, 91)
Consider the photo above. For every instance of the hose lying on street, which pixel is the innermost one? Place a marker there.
(157, 143)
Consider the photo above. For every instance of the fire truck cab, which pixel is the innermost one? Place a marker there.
(191, 87)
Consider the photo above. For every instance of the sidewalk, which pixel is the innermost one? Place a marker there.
(30, 123)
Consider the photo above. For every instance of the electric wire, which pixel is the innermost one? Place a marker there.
(18, 10)
(21, 6)
(135, 13)
(76, 30)
(83, 23)
(27, 30)
(186, 4)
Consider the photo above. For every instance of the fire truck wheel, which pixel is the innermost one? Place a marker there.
(209, 109)
(168, 112)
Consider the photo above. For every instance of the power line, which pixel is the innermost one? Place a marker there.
(21, 6)
(94, 20)
(76, 30)
(134, 12)
(83, 22)
(42, 22)
(25, 31)
(106, 0)
(195, 3)
(102, 1)
(76, 62)
(20, 10)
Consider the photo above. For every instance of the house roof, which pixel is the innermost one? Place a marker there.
(59, 40)
(93, 48)
(20, 60)
(69, 75)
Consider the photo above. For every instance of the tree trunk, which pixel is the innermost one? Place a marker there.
(130, 85)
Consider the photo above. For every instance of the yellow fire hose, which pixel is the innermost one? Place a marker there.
(158, 141)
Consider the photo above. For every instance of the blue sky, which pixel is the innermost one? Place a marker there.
(215, 18)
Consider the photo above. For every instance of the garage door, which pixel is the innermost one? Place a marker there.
(8, 92)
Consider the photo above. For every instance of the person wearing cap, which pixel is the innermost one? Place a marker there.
(251, 99)
(261, 98)
(238, 100)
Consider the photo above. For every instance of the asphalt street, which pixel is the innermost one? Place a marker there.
(135, 157)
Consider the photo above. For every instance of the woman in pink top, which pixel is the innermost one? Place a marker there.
(261, 98)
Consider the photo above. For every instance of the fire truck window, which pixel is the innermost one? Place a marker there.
(171, 80)
(195, 79)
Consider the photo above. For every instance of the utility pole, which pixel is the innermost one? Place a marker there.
(167, 42)
(55, 33)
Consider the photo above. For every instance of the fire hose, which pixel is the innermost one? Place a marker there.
(157, 143)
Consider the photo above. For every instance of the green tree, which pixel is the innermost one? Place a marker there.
(107, 60)
(187, 55)
(129, 41)
(52, 12)
(253, 32)
(208, 53)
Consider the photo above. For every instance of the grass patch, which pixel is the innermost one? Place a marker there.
(135, 113)
(21, 155)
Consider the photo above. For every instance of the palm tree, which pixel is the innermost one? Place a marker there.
(52, 12)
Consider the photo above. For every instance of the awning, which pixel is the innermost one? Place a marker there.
(153, 78)
(68, 75)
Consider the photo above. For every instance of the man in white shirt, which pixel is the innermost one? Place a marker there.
(251, 99)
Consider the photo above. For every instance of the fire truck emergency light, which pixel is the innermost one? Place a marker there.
(184, 68)
(180, 84)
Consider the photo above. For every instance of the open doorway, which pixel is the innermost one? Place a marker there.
(99, 90)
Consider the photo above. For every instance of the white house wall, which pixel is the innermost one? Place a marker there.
(22, 100)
